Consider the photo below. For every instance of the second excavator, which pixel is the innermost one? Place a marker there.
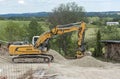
(39, 47)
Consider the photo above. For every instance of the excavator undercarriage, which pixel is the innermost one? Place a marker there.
(42, 58)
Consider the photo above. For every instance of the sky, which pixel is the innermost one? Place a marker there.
(31, 6)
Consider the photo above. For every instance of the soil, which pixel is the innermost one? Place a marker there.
(84, 68)
(57, 57)
(88, 61)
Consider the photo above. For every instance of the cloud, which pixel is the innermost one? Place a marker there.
(1, 0)
(21, 1)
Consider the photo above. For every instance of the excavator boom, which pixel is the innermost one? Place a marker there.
(59, 30)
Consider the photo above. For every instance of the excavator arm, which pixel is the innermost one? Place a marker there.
(43, 39)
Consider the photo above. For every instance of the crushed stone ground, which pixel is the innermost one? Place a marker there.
(85, 68)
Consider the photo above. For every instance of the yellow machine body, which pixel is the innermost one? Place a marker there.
(23, 49)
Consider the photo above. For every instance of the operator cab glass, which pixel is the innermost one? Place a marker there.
(35, 38)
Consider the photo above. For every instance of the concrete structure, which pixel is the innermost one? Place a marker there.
(112, 23)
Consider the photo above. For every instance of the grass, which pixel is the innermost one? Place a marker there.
(3, 24)
(91, 26)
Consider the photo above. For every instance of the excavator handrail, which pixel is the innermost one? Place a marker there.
(68, 25)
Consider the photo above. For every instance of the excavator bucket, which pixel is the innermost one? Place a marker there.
(80, 52)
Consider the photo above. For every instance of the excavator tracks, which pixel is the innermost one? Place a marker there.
(42, 58)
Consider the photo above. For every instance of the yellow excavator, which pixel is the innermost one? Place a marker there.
(40, 46)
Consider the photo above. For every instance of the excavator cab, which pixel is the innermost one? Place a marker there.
(34, 39)
(43, 47)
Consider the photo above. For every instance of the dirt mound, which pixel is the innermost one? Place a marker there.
(87, 61)
(57, 57)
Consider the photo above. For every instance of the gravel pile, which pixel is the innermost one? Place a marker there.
(87, 61)
(57, 57)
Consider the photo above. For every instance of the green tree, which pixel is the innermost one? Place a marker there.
(34, 29)
(64, 14)
(13, 32)
(67, 13)
(110, 33)
(98, 48)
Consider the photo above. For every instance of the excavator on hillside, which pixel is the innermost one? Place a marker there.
(40, 44)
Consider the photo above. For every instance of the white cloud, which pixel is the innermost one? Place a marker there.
(1, 0)
(21, 1)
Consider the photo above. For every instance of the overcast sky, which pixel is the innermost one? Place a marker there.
(25, 6)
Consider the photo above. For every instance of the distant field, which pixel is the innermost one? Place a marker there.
(3, 23)
(91, 26)
(91, 29)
